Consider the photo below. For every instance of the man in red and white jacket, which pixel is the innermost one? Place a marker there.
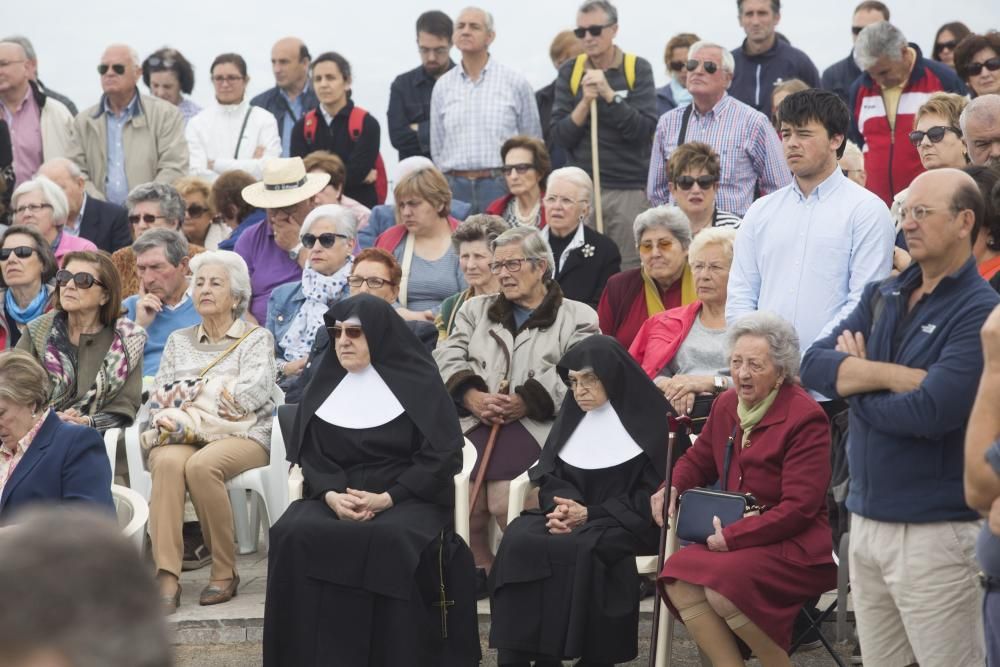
(897, 80)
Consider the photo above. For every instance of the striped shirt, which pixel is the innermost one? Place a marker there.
(725, 219)
(749, 152)
(470, 120)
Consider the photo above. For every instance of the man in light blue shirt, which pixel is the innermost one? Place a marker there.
(806, 251)
(116, 186)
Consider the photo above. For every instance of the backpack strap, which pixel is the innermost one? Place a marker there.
(577, 76)
(630, 59)
(309, 126)
(356, 122)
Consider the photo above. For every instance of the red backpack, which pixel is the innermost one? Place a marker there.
(355, 123)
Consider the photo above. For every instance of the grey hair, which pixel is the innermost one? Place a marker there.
(985, 107)
(487, 17)
(670, 218)
(604, 6)
(343, 219)
(235, 266)
(24, 43)
(175, 246)
(577, 177)
(878, 40)
(65, 163)
(728, 62)
(51, 193)
(479, 227)
(723, 237)
(171, 202)
(532, 243)
(781, 339)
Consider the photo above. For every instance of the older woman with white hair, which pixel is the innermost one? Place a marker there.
(662, 281)
(683, 349)
(769, 438)
(223, 371)
(295, 310)
(42, 204)
(585, 259)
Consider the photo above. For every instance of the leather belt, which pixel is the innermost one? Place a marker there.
(989, 583)
(474, 174)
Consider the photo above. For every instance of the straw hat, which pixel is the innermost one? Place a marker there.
(285, 183)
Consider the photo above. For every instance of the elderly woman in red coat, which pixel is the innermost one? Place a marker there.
(753, 576)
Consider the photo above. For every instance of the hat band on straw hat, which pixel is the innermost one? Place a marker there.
(286, 186)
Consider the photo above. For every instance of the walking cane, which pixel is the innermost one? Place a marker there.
(661, 556)
(487, 453)
(595, 164)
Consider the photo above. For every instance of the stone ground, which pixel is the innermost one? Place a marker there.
(229, 635)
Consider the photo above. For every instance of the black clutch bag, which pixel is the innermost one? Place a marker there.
(697, 507)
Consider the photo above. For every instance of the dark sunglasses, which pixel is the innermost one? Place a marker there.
(522, 168)
(710, 67)
(148, 218)
(196, 211)
(950, 45)
(156, 61)
(117, 68)
(594, 30)
(22, 251)
(83, 280)
(350, 331)
(973, 69)
(687, 182)
(935, 134)
(676, 65)
(325, 240)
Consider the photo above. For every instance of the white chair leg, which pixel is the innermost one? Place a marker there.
(246, 541)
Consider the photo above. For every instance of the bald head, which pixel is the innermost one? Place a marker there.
(69, 178)
(290, 64)
(980, 123)
(942, 213)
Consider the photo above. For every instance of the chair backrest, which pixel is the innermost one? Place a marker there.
(277, 439)
(132, 511)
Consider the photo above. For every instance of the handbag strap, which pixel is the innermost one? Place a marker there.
(728, 458)
(685, 117)
(227, 352)
(239, 142)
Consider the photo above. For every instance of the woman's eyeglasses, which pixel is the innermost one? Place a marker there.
(935, 134)
(196, 211)
(973, 69)
(687, 182)
(349, 331)
(22, 251)
(582, 382)
(82, 280)
(663, 245)
(594, 30)
(325, 240)
(117, 68)
(522, 168)
(512, 265)
(676, 65)
(230, 79)
(950, 45)
(148, 218)
(710, 67)
(373, 282)
(31, 208)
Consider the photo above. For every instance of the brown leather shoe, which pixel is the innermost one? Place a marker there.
(171, 602)
(216, 595)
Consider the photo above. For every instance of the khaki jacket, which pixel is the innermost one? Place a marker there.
(155, 147)
(474, 356)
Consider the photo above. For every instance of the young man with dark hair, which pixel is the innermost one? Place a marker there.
(765, 57)
(832, 235)
(839, 76)
(410, 94)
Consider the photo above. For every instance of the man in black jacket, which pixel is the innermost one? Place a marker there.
(292, 95)
(838, 77)
(103, 223)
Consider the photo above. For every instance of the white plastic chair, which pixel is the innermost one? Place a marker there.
(111, 446)
(133, 513)
(520, 488)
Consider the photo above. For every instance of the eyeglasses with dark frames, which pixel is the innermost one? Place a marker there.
(82, 279)
(117, 68)
(373, 282)
(326, 240)
(350, 331)
(708, 65)
(31, 208)
(973, 69)
(521, 168)
(512, 265)
(686, 182)
(22, 251)
(935, 134)
(594, 30)
(148, 218)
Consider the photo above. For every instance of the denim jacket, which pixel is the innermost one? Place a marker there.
(282, 306)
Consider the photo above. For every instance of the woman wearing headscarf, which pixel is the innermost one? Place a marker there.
(603, 458)
(369, 550)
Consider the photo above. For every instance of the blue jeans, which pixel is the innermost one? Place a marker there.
(991, 623)
(479, 192)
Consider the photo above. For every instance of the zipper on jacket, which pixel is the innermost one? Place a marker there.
(892, 151)
(757, 94)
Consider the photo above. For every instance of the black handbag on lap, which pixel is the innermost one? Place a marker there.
(697, 507)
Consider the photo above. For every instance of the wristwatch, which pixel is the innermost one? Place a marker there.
(294, 252)
(720, 384)
(618, 99)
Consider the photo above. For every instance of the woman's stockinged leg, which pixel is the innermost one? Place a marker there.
(766, 650)
(479, 534)
(708, 628)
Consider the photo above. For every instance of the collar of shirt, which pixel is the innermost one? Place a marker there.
(234, 331)
(298, 98)
(238, 109)
(912, 277)
(11, 112)
(823, 190)
(131, 109)
(486, 67)
(22, 445)
(75, 228)
(184, 299)
(616, 62)
(719, 107)
(428, 79)
(575, 243)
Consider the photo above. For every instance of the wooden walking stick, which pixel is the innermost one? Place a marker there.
(487, 453)
(661, 557)
(595, 164)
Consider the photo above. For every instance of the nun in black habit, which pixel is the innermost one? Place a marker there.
(564, 582)
(365, 570)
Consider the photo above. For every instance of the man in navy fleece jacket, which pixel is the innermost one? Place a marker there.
(908, 359)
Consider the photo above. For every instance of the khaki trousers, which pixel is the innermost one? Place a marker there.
(202, 472)
(621, 208)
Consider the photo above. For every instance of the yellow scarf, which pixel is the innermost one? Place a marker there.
(750, 417)
(654, 304)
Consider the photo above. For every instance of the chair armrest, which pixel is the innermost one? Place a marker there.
(295, 481)
(462, 479)
(520, 487)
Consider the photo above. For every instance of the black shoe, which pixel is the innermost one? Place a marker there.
(196, 554)
(482, 584)
(856, 654)
(647, 588)
(811, 639)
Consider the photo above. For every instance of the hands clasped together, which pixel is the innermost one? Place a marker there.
(357, 505)
(495, 408)
(567, 515)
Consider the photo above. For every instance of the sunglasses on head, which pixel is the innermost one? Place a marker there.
(594, 30)
(973, 69)
(522, 168)
(935, 134)
(156, 61)
(710, 67)
(117, 68)
(676, 65)
(83, 280)
(950, 45)
(351, 331)
(148, 218)
(325, 240)
(22, 251)
(687, 182)
(196, 211)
